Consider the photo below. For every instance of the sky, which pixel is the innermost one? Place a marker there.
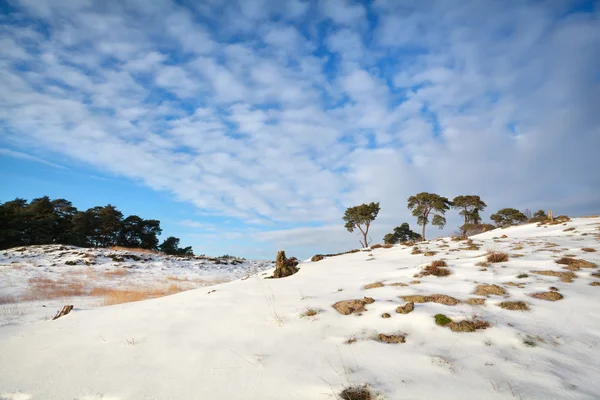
(249, 126)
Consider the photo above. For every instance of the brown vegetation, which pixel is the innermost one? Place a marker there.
(550, 296)
(497, 256)
(563, 275)
(514, 305)
(575, 263)
(486, 290)
(474, 301)
(391, 338)
(405, 309)
(374, 285)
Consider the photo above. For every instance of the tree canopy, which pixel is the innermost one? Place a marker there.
(470, 206)
(425, 205)
(401, 233)
(508, 216)
(360, 217)
(46, 221)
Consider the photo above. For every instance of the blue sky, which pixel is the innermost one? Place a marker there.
(248, 126)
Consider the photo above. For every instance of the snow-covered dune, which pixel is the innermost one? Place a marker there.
(252, 338)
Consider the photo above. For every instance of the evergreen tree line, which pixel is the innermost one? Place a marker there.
(46, 221)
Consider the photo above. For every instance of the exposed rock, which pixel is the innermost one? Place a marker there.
(405, 309)
(347, 307)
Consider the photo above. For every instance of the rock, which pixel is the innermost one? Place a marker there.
(347, 307)
(369, 300)
(405, 309)
(317, 257)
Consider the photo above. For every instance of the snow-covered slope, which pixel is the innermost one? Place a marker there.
(247, 339)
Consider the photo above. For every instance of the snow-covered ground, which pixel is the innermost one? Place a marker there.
(247, 339)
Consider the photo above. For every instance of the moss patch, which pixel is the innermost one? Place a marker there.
(442, 320)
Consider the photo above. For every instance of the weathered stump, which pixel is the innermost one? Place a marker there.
(284, 266)
(65, 310)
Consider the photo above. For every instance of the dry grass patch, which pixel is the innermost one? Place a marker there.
(374, 285)
(444, 299)
(575, 263)
(6, 299)
(356, 393)
(317, 257)
(112, 296)
(497, 256)
(405, 309)
(387, 246)
(514, 305)
(42, 288)
(596, 274)
(474, 301)
(486, 290)
(416, 250)
(135, 250)
(468, 325)
(116, 273)
(550, 296)
(563, 275)
(382, 337)
(588, 250)
(430, 253)
(483, 264)
(416, 298)
(376, 246)
(594, 283)
(436, 268)
(309, 312)
(461, 326)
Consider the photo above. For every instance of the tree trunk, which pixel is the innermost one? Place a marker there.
(423, 234)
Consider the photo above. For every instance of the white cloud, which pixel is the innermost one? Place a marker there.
(271, 116)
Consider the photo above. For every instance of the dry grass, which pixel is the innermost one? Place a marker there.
(405, 309)
(6, 299)
(309, 312)
(41, 288)
(595, 283)
(112, 296)
(356, 393)
(474, 301)
(444, 299)
(550, 296)
(391, 338)
(430, 253)
(588, 250)
(486, 290)
(497, 256)
(514, 305)
(135, 250)
(416, 250)
(436, 268)
(387, 246)
(374, 285)
(116, 273)
(416, 299)
(468, 326)
(564, 276)
(575, 263)
(376, 246)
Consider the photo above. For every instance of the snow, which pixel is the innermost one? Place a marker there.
(246, 339)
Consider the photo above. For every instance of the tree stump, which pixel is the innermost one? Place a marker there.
(65, 310)
(283, 266)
